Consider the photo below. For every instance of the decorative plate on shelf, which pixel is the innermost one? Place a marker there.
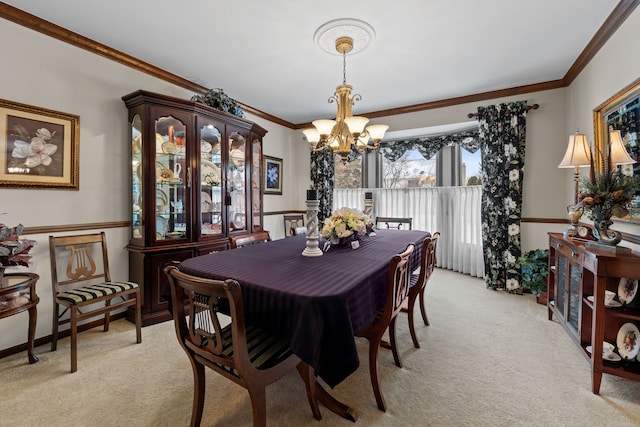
(209, 173)
(163, 173)
(205, 202)
(628, 341)
(162, 200)
(627, 290)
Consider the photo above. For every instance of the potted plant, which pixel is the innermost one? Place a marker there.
(533, 266)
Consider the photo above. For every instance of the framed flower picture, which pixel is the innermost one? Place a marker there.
(38, 147)
(272, 175)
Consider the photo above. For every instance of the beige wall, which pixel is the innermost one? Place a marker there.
(45, 72)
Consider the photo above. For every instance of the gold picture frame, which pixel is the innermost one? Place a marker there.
(39, 148)
(272, 175)
(620, 112)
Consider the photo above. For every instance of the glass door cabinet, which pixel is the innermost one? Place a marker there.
(195, 181)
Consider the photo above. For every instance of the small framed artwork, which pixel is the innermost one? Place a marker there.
(38, 147)
(272, 175)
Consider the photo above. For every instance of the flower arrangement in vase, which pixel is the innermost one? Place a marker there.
(346, 225)
(13, 250)
(606, 193)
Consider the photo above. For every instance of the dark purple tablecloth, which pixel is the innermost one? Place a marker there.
(317, 303)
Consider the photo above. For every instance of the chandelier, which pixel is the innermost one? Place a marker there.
(347, 132)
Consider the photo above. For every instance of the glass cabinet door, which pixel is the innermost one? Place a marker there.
(236, 182)
(256, 184)
(171, 179)
(137, 229)
(211, 206)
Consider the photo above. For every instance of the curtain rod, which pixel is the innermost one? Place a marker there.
(529, 107)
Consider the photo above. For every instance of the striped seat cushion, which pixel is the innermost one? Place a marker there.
(87, 293)
(265, 350)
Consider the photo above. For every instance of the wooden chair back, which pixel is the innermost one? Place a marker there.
(249, 239)
(211, 328)
(427, 263)
(294, 225)
(81, 263)
(397, 292)
(394, 222)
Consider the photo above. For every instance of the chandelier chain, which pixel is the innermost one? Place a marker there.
(344, 67)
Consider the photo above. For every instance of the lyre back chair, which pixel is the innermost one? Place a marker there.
(418, 284)
(249, 239)
(294, 225)
(397, 291)
(240, 352)
(82, 281)
(393, 222)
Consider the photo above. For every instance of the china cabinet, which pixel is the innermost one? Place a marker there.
(577, 280)
(195, 181)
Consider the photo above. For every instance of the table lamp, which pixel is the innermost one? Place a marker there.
(578, 154)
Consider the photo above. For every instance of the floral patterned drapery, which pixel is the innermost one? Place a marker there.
(430, 145)
(502, 139)
(322, 176)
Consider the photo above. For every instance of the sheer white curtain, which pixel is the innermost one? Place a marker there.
(453, 211)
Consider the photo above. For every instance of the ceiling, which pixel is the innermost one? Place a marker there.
(263, 54)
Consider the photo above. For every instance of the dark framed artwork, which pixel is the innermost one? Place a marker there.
(272, 175)
(38, 147)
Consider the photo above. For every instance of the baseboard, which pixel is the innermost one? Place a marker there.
(62, 334)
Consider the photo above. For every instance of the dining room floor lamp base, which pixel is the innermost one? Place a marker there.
(312, 248)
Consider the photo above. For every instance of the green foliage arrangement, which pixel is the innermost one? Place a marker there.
(534, 265)
(219, 100)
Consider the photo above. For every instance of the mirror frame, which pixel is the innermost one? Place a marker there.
(601, 129)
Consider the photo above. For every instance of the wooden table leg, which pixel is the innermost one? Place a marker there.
(331, 403)
(596, 379)
(33, 317)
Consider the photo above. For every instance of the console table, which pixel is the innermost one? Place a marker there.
(17, 294)
(577, 280)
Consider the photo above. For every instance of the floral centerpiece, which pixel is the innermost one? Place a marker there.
(13, 250)
(604, 194)
(346, 225)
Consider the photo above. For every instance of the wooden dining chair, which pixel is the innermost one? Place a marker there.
(418, 283)
(294, 225)
(249, 239)
(391, 222)
(213, 332)
(80, 263)
(397, 291)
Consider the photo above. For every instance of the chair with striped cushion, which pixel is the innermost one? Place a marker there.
(83, 287)
(397, 291)
(418, 284)
(213, 332)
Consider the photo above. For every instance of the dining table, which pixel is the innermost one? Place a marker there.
(318, 303)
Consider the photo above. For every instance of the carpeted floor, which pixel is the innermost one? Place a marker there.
(488, 359)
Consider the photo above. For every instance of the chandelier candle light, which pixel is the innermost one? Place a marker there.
(312, 248)
(347, 132)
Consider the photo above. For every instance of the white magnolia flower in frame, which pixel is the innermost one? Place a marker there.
(38, 151)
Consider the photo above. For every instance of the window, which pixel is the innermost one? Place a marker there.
(410, 170)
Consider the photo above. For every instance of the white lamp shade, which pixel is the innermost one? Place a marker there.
(356, 124)
(312, 135)
(578, 152)
(377, 131)
(617, 153)
(324, 127)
